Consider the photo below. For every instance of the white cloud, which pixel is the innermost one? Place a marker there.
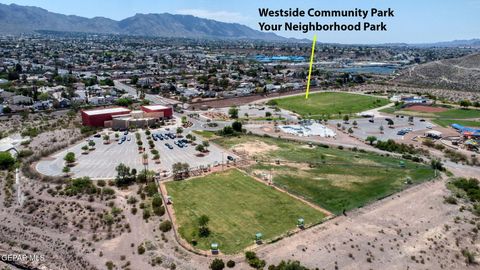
(223, 16)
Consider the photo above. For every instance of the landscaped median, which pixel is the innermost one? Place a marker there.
(236, 207)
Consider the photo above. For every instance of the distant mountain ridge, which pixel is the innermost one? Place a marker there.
(16, 19)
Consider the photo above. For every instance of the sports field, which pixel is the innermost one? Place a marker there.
(238, 207)
(334, 179)
(448, 122)
(330, 104)
(444, 117)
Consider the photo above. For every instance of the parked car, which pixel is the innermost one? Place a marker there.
(97, 135)
(230, 158)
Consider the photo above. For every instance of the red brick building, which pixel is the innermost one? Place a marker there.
(105, 116)
(98, 117)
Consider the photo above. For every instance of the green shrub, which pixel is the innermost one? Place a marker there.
(217, 264)
(230, 264)
(166, 226)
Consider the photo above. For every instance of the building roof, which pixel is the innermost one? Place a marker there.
(434, 132)
(155, 107)
(107, 111)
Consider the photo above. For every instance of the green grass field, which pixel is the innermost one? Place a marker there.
(448, 122)
(330, 104)
(465, 117)
(238, 207)
(341, 179)
(459, 114)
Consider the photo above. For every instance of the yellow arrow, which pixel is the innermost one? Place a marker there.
(311, 64)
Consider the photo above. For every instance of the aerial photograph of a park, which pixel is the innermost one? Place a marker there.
(276, 135)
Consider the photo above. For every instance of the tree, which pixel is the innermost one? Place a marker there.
(180, 170)
(200, 148)
(436, 164)
(165, 226)
(157, 205)
(91, 144)
(465, 103)
(355, 123)
(18, 68)
(43, 96)
(7, 110)
(124, 175)
(12, 75)
(203, 220)
(141, 249)
(6, 160)
(203, 229)
(124, 102)
(179, 130)
(69, 157)
(254, 261)
(346, 118)
(381, 129)
(217, 264)
(233, 112)
(85, 148)
(230, 264)
(268, 114)
(371, 139)
(295, 265)
(134, 79)
(390, 122)
(237, 126)
(206, 144)
(66, 170)
(350, 130)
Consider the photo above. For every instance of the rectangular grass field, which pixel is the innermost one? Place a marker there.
(238, 207)
(334, 179)
(330, 104)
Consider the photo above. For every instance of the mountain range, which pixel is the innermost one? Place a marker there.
(16, 19)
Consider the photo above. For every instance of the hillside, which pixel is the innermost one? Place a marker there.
(458, 73)
(15, 19)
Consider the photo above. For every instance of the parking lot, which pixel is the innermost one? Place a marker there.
(365, 128)
(101, 162)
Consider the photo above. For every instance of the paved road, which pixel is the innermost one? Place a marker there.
(155, 99)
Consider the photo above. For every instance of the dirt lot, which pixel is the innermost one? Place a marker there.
(427, 109)
(254, 148)
(407, 231)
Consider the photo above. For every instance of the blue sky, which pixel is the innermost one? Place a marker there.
(415, 21)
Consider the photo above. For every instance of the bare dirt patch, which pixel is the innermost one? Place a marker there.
(254, 148)
(427, 109)
(341, 180)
